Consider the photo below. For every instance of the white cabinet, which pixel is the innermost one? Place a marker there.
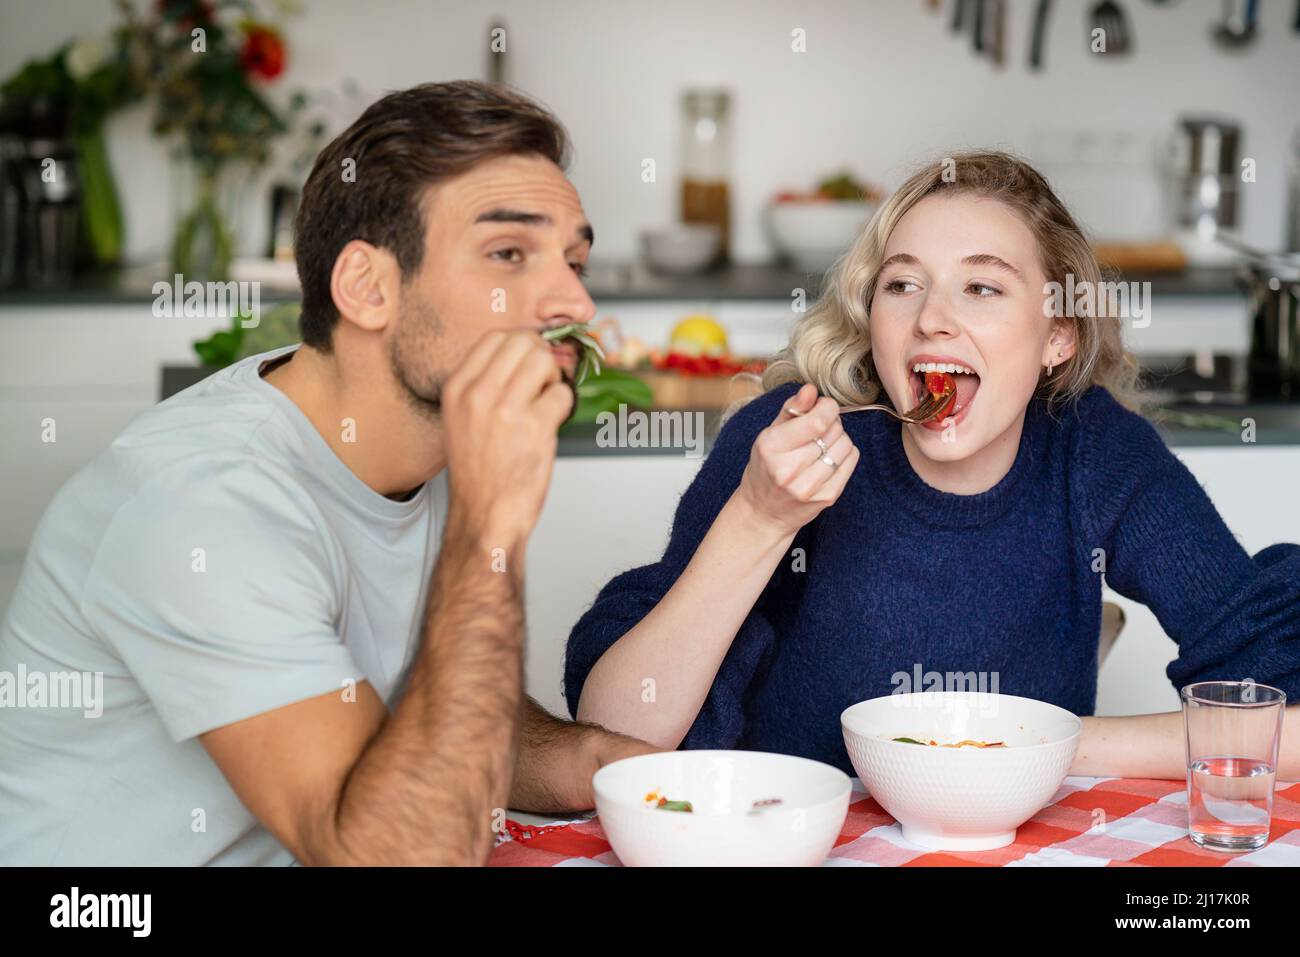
(603, 516)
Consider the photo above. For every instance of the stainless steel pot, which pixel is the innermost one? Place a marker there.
(1273, 365)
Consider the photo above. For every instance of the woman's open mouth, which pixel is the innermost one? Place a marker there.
(966, 379)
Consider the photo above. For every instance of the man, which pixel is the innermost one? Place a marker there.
(287, 673)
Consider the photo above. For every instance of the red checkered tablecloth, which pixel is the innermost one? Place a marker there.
(1143, 824)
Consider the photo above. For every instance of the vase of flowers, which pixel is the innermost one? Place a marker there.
(213, 60)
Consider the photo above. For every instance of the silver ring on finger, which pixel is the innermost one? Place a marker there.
(827, 460)
(821, 444)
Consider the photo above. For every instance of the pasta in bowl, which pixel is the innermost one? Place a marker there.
(995, 761)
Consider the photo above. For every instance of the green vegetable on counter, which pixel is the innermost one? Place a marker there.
(843, 186)
(606, 391)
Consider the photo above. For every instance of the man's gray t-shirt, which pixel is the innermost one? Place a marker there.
(217, 561)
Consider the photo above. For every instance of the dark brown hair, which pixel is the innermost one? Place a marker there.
(400, 146)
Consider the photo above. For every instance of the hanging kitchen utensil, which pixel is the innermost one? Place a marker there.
(978, 42)
(997, 26)
(1293, 195)
(958, 22)
(1237, 28)
(1109, 18)
(497, 72)
(1038, 34)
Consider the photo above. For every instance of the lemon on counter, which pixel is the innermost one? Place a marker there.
(699, 336)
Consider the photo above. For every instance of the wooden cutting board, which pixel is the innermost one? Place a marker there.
(672, 390)
(1158, 256)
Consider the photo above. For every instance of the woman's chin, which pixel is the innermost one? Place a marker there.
(952, 438)
(942, 445)
(948, 439)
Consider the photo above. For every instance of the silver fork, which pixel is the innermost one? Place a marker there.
(924, 412)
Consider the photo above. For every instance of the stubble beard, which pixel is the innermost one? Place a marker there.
(419, 339)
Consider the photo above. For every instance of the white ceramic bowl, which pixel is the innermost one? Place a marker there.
(681, 248)
(812, 234)
(722, 787)
(960, 799)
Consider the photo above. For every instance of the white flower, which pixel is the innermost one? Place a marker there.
(87, 55)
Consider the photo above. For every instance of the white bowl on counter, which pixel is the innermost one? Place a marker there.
(812, 234)
(723, 829)
(681, 248)
(960, 799)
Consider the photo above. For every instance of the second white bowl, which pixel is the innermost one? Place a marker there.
(813, 234)
(962, 799)
(722, 787)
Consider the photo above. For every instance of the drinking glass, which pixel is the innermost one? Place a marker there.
(1233, 732)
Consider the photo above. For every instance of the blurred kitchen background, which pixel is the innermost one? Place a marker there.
(725, 152)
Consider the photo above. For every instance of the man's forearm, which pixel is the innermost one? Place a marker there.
(1152, 746)
(557, 758)
(425, 788)
(555, 762)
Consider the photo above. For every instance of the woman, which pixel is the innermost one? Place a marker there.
(819, 560)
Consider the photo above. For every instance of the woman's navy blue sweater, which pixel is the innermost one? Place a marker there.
(997, 591)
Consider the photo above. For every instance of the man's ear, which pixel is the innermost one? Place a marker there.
(1062, 343)
(365, 284)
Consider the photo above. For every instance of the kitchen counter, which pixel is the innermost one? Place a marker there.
(608, 282)
(612, 282)
(1184, 424)
(1191, 424)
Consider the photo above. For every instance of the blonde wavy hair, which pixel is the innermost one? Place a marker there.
(831, 345)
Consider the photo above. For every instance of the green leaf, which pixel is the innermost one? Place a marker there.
(221, 348)
(606, 391)
(619, 385)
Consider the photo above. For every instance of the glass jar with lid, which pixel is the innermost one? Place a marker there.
(706, 160)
